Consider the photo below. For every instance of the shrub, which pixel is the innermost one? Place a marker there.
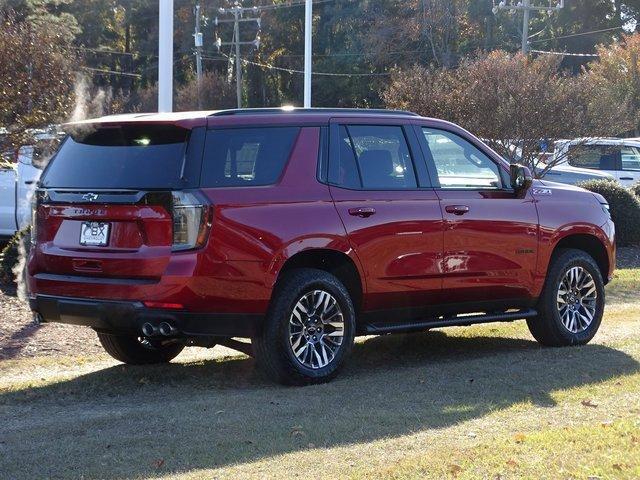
(635, 188)
(11, 256)
(624, 207)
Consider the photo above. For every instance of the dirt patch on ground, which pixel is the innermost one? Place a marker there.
(21, 337)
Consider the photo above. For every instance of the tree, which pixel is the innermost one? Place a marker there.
(38, 78)
(615, 76)
(515, 103)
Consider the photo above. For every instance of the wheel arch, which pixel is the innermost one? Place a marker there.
(589, 244)
(335, 262)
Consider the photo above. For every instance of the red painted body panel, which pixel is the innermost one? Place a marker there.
(411, 252)
(400, 245)
(490, 251)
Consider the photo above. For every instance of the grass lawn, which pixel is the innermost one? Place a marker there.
(475, 402)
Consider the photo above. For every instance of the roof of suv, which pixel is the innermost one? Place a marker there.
(196, 118)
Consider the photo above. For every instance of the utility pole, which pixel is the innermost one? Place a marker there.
(527, 6)
(197, 39)
(238, 12)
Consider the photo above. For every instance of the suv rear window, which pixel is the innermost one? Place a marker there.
(236, 157)
(124, 156)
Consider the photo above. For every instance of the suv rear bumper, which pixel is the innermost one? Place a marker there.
(129, 316)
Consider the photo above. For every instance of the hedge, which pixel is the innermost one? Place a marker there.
(624, 206)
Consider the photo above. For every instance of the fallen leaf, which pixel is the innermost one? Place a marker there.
(512, 463)
(143, 380)
(617, 466)
(589, 403)
(159, 463)
(455, 469)
(519, 437)
(472, 435)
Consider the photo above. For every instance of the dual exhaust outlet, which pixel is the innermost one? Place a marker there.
(164, 328)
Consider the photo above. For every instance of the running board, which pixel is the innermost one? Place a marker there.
(449, 321)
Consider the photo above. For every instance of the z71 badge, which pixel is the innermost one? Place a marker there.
(541, 191)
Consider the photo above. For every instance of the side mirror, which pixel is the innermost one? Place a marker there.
(521, 178)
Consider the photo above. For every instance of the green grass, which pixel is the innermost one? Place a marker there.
(603, 450)
(476, 402)
(625, 287)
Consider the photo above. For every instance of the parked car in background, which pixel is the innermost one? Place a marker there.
(572, 175)
(561, 173)
(618, 157)
(19, 174)
(301, 229)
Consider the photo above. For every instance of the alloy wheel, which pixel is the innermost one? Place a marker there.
(316, 329)
(577, 299)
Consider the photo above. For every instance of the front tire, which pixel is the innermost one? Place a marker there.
(572, 301)
(137, 350)
(309, 329)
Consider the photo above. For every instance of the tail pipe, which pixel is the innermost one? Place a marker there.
(149, 330)
(166, 329)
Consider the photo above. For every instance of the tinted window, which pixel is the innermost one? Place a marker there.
(139, 156)
(599, 157)
(373, 157)
(459, 164)
(246, 156)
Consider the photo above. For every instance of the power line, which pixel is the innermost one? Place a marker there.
(576, 34)
(565, 54)
(111, 72)
(330, 74)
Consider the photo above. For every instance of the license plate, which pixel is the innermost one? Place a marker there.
(94, 234)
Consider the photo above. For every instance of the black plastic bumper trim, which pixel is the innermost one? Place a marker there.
(128, 317)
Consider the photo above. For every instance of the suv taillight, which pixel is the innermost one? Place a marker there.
(191, 221)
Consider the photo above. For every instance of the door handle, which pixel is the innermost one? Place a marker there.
(363, 212)
(626, 178)
(456, 209)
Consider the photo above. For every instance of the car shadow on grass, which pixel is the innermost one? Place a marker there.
(124, 422)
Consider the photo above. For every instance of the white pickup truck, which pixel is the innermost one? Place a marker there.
(18, 181)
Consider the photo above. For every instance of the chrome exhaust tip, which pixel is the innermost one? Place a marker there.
(167, 329)
(149, 330)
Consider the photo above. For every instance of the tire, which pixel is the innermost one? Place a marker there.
(129, 349)
(555, 326)
(322, 345)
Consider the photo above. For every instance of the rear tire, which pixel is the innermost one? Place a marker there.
(130, 349)
(309, 329)
(572, 301)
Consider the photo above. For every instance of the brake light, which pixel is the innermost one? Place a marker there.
(191, 221)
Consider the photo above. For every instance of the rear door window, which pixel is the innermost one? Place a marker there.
(372, 157)
(236, 157)
(125, 156)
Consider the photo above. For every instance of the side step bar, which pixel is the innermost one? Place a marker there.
(455, 321)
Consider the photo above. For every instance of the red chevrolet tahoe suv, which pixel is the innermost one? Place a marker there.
(300, 230)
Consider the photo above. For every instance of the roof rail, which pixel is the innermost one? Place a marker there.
(284, 110)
